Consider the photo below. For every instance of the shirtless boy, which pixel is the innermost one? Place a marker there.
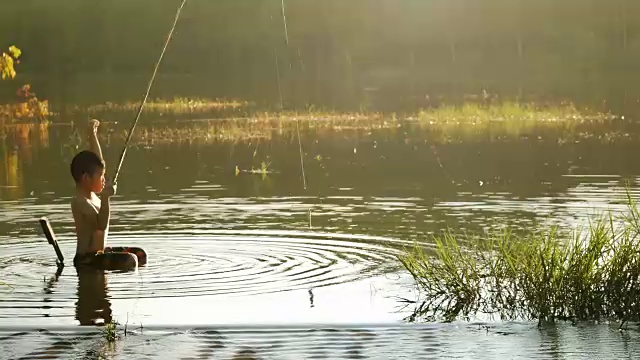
(90, 206)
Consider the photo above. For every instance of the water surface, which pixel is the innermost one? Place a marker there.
(250, 249)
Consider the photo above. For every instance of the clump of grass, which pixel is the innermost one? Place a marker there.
(263, 126)
(474, 113)
(110, 331)
(507, 119)
(539, 276)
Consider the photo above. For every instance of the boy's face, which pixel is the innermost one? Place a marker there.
(95, 182)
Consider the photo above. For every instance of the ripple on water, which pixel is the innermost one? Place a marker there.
(462, 341)
(220, 262)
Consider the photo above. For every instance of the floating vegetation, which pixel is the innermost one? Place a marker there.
(511, 120)
(540, 276)
(474, 113)
(264, 170)
(262, 126)
(187, 120)
(438, 125)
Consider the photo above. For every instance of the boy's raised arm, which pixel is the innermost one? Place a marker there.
(94, 144)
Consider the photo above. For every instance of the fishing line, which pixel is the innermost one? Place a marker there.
(444, 171)
(275, 56)
(304, 178)
(283, 12)
(146, 96)
(284, 22)
(135, 122)
(286, 41)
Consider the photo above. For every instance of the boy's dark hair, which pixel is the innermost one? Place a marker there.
(85, 162)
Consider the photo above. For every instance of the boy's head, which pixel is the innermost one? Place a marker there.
(87, 170)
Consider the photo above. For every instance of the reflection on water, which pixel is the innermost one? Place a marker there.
(17, 144)
(237, 248)
(93, 306)
(458, 340)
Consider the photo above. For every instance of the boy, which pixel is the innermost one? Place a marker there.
(91, 212)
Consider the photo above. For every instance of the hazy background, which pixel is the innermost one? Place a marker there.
(345, 55)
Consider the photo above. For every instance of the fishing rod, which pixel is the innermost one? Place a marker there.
(44, 222)
(146, 95)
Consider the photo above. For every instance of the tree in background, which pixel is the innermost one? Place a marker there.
(28, 107)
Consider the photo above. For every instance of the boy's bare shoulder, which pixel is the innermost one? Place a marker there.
(82, 205)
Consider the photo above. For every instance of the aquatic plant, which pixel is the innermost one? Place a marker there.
(507, 120)
(110, 331)
(260, 126)
(594, 275)
(442, 124)
(471, 112)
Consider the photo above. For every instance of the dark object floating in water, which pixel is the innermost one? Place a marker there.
(109, 262)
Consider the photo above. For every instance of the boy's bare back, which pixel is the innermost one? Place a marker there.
(85, 213)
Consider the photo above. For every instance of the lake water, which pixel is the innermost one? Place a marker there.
(230, 249)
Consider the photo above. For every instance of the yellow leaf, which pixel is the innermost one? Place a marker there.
(7, 66)
(15, 52)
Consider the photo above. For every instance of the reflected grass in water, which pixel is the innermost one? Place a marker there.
(17, 142)
(22, 132)
(264, 126)
(593, 276)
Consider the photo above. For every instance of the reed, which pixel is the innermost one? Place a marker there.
(509, 120)
(544, 275)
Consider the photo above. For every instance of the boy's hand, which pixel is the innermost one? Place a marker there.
(109, 189)
(93, 126)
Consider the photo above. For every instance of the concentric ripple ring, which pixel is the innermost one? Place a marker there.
(223, 262)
